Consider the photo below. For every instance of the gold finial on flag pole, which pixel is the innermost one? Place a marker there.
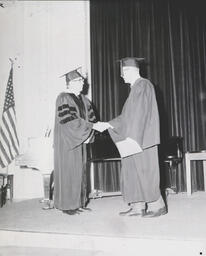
(12, 62)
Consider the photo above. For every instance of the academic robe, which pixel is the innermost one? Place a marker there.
(139, 121)
(73, 125)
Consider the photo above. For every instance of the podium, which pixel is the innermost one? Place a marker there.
(39, 156)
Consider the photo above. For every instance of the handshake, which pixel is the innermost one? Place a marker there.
(101, 126)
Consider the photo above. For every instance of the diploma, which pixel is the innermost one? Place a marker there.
(128, 147)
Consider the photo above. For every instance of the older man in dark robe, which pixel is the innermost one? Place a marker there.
(73, 127)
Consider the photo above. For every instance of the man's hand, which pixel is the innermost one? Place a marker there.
(101, 126)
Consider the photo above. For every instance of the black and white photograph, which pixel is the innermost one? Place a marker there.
(102, 128)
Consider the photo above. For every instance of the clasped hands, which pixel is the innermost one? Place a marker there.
(101, 126)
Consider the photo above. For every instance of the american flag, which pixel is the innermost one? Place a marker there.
(9, 143)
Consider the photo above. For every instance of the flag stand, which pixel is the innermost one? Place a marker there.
(7, 186)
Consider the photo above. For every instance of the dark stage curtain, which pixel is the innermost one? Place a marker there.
(171, 35)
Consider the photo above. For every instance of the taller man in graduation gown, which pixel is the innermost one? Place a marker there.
(136, 134)
(73, 126)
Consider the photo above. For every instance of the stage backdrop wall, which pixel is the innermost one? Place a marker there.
(45, 39)
(171, 35)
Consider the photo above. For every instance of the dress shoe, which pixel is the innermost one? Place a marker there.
(79, 210)
(70, 212)
(152, 214)
(48, 206)
(137, 213)
(86, 209)
(126, 212)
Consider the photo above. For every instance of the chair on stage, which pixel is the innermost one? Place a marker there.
(173, 155)
(101, 150)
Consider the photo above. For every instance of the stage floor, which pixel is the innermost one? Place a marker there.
(103, 232)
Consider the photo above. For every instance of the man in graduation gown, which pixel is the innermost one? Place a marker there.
(74, 119)
(136, 134)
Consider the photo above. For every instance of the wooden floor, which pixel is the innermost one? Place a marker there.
(25, 227)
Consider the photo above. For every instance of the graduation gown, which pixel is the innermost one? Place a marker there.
(139, 121)
(73, 125)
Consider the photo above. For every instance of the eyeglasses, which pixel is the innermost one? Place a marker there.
(78, 80)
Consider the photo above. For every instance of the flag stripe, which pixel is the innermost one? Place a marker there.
(12, 118)
(5, 143)
(3, 160)
(4, 130)
(2, 163)
(7, 158)
(9, 131)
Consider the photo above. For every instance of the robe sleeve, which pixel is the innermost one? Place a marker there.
(131, 123)
(92, 118)
(73, 129)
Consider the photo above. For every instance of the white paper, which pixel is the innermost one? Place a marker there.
(128, 147)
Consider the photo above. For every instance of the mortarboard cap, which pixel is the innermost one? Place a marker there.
(73, 75)
(130, 62)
